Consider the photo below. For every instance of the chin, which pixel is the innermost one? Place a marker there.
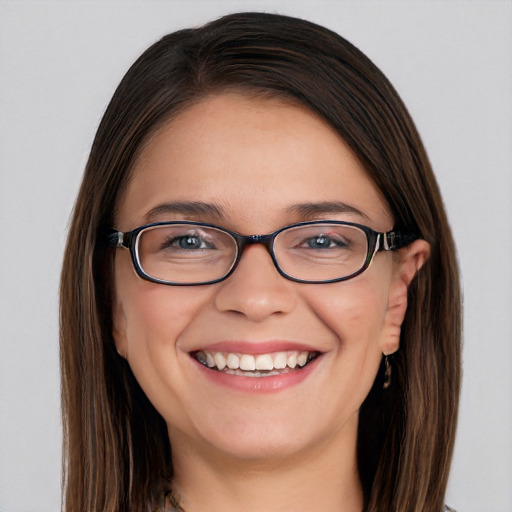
(267, 439)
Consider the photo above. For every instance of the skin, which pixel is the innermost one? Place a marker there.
(289, 450)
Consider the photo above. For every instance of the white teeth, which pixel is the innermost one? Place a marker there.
(302, 358)
(264, 362)
(220, 360)
(247, 363)
(210, 362)
(233, 361)
(280, 361)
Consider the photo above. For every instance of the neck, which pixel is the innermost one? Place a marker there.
(323, 477)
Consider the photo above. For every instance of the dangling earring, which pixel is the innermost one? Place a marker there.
(387, 373)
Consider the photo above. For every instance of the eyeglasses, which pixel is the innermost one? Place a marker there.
(194, 253)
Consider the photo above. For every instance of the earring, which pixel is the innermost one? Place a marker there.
(387, 373)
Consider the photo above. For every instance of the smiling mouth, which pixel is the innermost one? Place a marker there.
(248, 365)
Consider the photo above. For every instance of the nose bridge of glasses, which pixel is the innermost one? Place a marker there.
(243, 241)
(246, 240)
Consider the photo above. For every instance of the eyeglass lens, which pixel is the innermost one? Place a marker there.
(187, 253)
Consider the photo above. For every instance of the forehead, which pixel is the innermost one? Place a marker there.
(253, 157)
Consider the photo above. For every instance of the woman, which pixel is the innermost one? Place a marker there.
(260, 302)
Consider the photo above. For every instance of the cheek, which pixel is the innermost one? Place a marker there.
(354, 310)
(153, 316)
(159, 314)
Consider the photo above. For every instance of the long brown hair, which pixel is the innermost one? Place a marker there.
(116, 448)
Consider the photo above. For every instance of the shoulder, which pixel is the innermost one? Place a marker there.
(448, 509)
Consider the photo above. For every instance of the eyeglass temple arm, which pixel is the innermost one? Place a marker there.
(118, 239)
(393, 240)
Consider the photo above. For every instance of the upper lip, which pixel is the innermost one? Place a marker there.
(256, 347)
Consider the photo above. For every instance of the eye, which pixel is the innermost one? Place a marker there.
(325, 242)
(320, 242)
(188, 242)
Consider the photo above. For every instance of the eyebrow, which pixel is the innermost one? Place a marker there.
(311, 211)
(200, 210)
(188, 209)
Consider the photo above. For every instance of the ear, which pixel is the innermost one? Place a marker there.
(119, 328)
(410, 260)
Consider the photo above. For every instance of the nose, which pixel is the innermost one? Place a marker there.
(256, 289)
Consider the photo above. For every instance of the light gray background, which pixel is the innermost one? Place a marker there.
(59, 65)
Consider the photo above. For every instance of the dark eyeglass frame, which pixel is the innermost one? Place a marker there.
(377, 241)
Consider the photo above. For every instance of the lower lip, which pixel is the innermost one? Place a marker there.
(259, 384)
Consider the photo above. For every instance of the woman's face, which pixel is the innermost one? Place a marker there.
(255, 165)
